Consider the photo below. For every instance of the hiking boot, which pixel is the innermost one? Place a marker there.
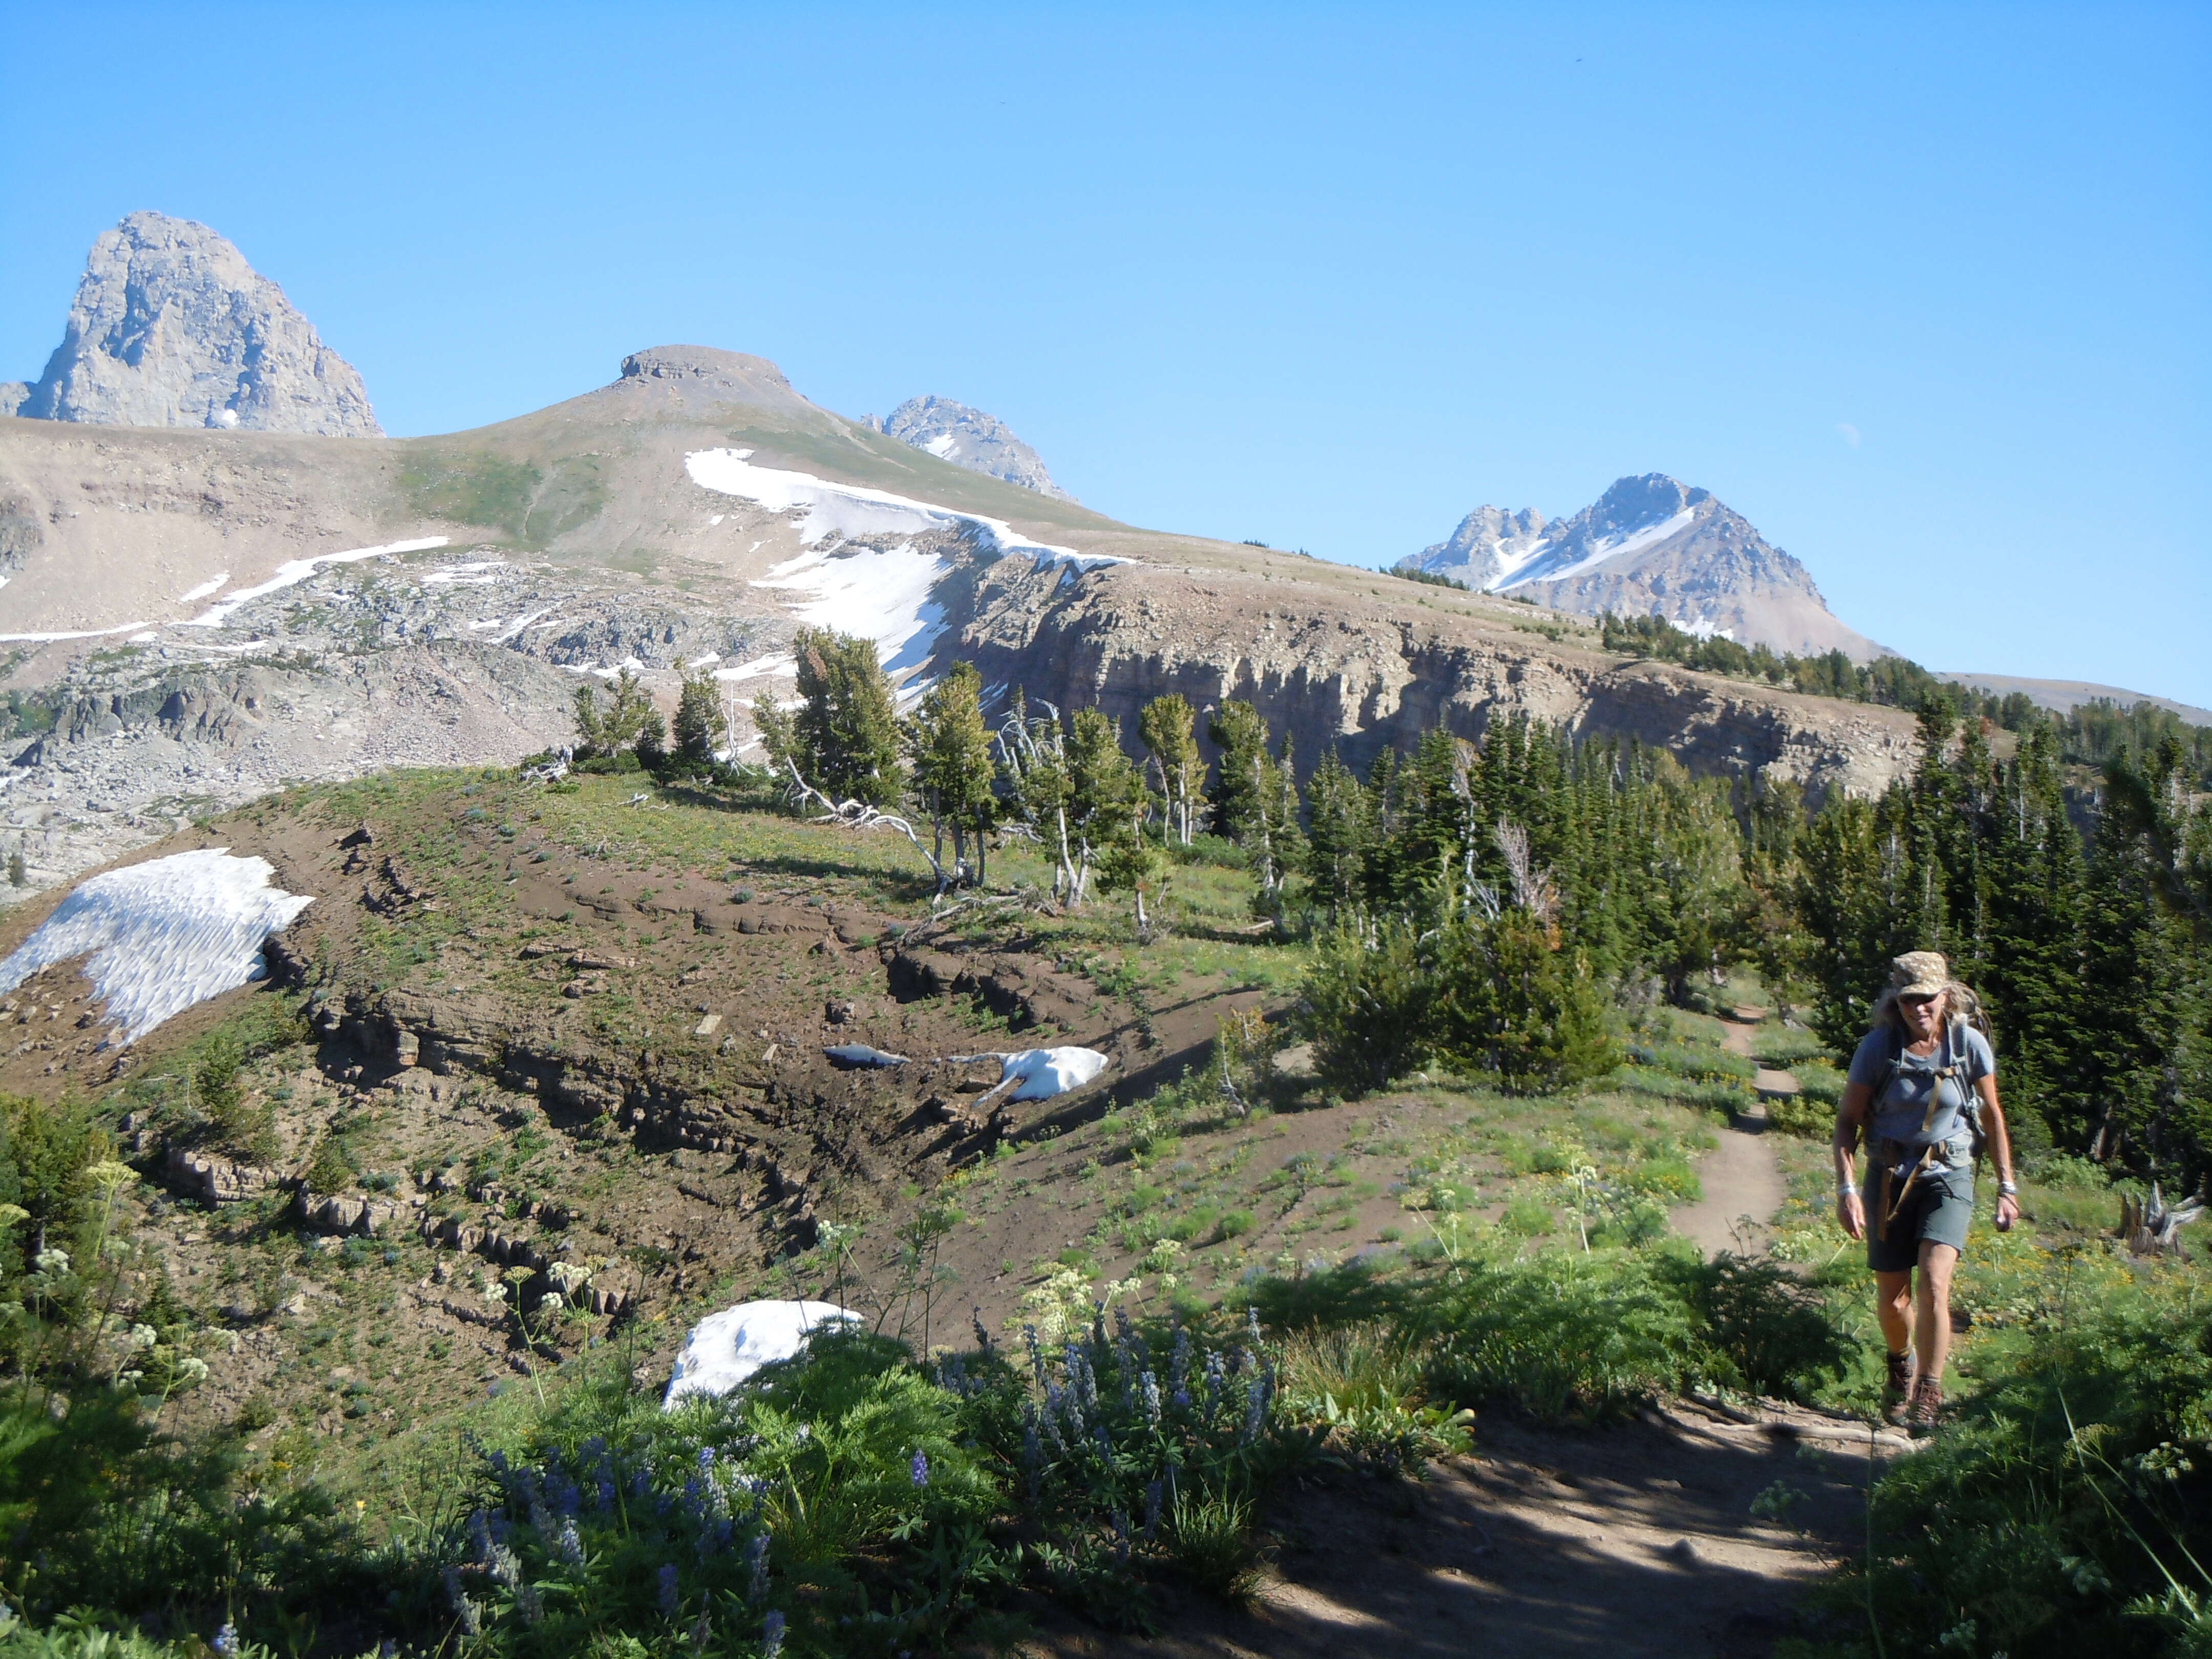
(1897, 1388)
(1927, 1408)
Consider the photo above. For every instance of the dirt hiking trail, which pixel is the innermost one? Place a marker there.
(1631, 1542)
(1742, 1180)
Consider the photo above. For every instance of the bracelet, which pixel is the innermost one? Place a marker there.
(2007, 1189)
(1844, 1189)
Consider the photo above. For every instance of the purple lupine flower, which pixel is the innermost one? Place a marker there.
(1151, 1399)
(466, 1611)
(607, 1493)
(772, 1635)
(479, 1536)
(226, 1640)
(1152, 1509)
(569, 1545)
(757, 1568)
(706, 1462)
(918, 1469)
(668, 1602)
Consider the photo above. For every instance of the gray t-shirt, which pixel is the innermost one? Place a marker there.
(1902, 1108)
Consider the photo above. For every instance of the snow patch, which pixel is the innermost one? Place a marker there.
(83, 634)
(1044, 1072)
(758, 666)
(296, 571)
(879, 594)
(164, 935)
(205, 588)
(942, 445)
(478, 573)
(724, 1349)
(1597, 552)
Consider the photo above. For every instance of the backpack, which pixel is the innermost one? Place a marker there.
(1965, 1011)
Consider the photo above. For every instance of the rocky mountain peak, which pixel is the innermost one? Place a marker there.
(172, 327)
(970, 438)
(1651, 545)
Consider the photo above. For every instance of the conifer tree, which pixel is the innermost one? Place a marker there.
(699, 725)
(951, 750)
(1165, 727)
(1105, 792)
(1339, 827)
(1032, 754)
(1249, 792)
(845, 737)
(629, 721)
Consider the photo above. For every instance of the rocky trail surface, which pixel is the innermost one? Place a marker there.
(1743, 1179)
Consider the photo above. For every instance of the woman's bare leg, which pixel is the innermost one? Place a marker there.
(1893, 1308)
(1931, 1325)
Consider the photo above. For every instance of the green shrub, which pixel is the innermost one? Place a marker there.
(2066, 1510)
(1763, 1330)
(1784, 1046)
(1560, 1333)
(1367, 995)
(1489, 997)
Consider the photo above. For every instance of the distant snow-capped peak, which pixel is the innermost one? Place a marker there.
(1649, 546)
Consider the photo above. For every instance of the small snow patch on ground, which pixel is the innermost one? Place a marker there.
(205, 588)
(164, 935)
(758, 666)
(724, 1349)
(82, 633)
(298, 570)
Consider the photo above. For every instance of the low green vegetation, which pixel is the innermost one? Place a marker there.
(1424, 1174)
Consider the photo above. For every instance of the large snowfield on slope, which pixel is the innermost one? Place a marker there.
(874, 593)
(162, 935)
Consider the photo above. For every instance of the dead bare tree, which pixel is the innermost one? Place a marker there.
(1534, 890)
(2152, 1228)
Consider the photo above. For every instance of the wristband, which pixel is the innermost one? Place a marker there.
(2007, 1189)
(1845, 1190)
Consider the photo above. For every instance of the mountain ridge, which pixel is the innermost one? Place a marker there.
(294, 606)
(1649, 546)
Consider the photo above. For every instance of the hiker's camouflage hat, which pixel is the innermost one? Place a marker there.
(1919, 974)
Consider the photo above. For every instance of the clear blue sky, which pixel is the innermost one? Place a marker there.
(1925, 292)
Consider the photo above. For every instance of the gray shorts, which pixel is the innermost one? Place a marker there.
(1936, 1210)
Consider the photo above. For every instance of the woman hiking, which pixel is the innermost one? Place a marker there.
(1923, 1090)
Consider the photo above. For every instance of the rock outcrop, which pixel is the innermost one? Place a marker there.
(172, 327)
(969, 437)
(1650, 546)
(1360, 679)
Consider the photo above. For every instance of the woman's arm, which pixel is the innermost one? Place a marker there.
(1850, 1121)
(1993, 1122)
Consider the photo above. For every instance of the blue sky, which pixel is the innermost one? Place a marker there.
(1925, 292)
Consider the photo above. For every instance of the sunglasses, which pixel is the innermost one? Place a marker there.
(1919, 1002)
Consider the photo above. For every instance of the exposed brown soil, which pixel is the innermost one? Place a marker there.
(1638, 1539)
(1742, 1183)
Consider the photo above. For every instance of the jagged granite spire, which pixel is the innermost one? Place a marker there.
(172, 327)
